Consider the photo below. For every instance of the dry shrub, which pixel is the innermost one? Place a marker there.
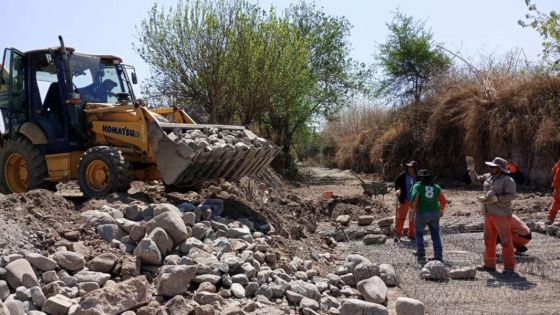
(500, 111)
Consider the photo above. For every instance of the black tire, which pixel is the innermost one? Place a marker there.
(119, 171)
(37, 171)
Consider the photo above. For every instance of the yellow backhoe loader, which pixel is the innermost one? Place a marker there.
(67, 115)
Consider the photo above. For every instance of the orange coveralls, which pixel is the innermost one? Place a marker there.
(553, 210)
(520, 232)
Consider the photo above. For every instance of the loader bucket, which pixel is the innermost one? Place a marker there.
(182, 165)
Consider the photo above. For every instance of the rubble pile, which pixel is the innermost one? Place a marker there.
(210, 139)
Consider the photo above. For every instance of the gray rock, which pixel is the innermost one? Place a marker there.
(52, 288)
(204, 298)
(373, 239)
(206, 286)
(465, 273)
(242, 233)
(23, 294)
(96, 217)
(241, 279)
(248, 270)
(162, 240)
(373, 290)
(306, 289)
(93, 276)
(231, 260)
(434, 270)
(57, 305)
(189, 243)
(328, 302)
(4, 290)
(117, 298)
(37, 296)
(49, 276)
(388, 275)
(69, 260)
(148, 252)
(364, 220)
(137, 232)
(343, 219)
(199, 231)
(14, 306)
(189, 218)
(293, 297)
(309, 303)
(238, 290)
(333, 279)
(3, 309)
(110, 232)
(178, 305)
(166, 207)
(202, 257)
(86, 287)
(172, 260)
(408, 306)
(207, 278)
(103, 263)
(20, 271)
(173, 224)
(251, 289)
(348, 279)
(40, 262)
(359, 307)
(133, 212)
(365, 271)
(265, 291)
(174, 280)
(353, 260)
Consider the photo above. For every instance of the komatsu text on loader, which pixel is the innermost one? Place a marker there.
(67, 116)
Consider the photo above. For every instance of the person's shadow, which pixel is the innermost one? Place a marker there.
(514, 281)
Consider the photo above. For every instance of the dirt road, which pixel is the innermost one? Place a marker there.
(534, 290)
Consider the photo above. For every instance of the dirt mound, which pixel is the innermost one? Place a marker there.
(37, 217)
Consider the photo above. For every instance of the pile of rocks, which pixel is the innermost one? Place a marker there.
(372, 232)
(210, 139)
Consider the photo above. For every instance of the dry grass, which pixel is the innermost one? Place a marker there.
(500, 111)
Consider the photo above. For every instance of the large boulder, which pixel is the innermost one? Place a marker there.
(175, 279)
(173, 224)
(373, 290)
(202, 257)
(359, 307)
(117, 298)
(148, 251)
(103, 263)
(365, 271)
(434, 270)
(40, 262)
(19, 272)
(165, 207)
(96, 217)
(178, 306)
(69, 260)
(408, 306)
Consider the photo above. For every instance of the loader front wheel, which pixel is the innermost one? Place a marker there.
(22, 167)
(103, 170)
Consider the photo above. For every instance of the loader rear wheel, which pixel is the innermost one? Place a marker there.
(22, 167)
(103, 170)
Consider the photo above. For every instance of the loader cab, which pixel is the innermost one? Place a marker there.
(37, 101)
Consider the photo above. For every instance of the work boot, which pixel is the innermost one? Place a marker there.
(487, 269)
(548, 222)
(508, 272)
(521, 250)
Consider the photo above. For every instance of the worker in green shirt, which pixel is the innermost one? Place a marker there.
(429, 203)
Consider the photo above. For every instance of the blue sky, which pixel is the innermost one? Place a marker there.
(473, 27)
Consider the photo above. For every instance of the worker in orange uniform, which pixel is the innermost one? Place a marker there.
(499, 192)
(553, 210)
(520, 234)
(404, 184)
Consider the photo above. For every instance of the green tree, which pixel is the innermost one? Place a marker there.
(236, 63)
(548, 26)
(409, 60)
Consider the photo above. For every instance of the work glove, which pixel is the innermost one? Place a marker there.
(397, 193)
(470, 163)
